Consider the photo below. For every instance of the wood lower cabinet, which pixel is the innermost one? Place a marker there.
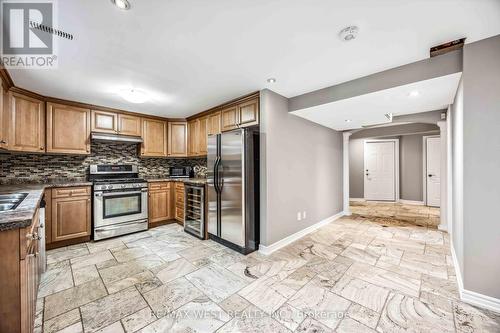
(154, 134)
(160, 202)
(177, 139)
(19, 278)
(179, 202)
(71, 213)
(68, 129)
(26, 124)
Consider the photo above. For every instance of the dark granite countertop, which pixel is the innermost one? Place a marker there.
(195, 181)
(22, 216)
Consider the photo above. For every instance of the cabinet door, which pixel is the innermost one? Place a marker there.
(177, 139)
(154, 134)
(249, 113)
(70, 218)
(3, 118)
(104, 122)
(27, 124)
(48, 216)
(68, 129)
(229, 118)
(202, 136)
(160, 206)
(192, 138)
(214, 121)
(129, 125)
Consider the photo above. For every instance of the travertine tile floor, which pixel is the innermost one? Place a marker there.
(418, 215)
(352, 275)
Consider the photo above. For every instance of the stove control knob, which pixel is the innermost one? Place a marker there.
(124, 186)
(109, 187)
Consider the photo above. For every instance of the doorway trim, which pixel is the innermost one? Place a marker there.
(424, 164)
(396, 165)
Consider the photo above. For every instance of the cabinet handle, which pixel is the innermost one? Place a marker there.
(41, 148)
(3, 142)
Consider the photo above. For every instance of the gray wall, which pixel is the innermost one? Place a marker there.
(457, 187)
(410, 158)
(301, 170)
(481, 156)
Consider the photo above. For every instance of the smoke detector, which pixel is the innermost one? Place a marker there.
(349, 33)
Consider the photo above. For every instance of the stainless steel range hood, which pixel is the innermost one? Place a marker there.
(116, 138)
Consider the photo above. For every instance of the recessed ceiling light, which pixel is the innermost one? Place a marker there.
(414, 93)
(349, 33)
(134, 96)
(122, 4)
(348, 120)
(271, 80)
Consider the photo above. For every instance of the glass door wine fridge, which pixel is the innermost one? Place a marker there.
(194, 210)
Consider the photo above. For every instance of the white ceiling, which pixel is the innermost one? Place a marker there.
(194, 54)
(370, 109)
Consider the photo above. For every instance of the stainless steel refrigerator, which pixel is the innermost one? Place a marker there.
(233, 189)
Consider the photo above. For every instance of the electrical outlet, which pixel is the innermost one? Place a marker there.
(304, 215)
(298, 216)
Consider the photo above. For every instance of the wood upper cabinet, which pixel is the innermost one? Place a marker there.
(68, 129)
(104, 122)
(116, 123)
(192, 138)
(248, 113)
(27, 124)
(154, 134)
(214, 123)
(202, 124)
(4, 119)
(177, 139)
(129, 125)
(71, 214)
(160, 202)
(229, 118)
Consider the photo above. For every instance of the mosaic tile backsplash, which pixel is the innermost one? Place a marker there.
(22, 168)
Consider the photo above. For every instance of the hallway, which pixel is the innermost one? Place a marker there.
(397, 213)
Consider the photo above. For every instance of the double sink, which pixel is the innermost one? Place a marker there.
(11, 201)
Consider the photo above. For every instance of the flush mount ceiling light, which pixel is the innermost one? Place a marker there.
(271, 80)
(122, 4)
(414, 93)
(134, 96)
(349, 33)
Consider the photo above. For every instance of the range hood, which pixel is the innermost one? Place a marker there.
(116, 138)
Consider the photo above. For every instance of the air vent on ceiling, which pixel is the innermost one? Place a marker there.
(50, 30)
(447, 47)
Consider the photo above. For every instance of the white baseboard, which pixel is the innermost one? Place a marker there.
(411, 202)
(357, 199)
(267, 250)
(472, 297)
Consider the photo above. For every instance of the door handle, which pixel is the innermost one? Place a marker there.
(430, 175)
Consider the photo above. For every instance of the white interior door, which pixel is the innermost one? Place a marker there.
(380, 170)
(433, 173)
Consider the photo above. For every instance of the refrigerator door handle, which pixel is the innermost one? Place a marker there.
(220, 184)
(216, 174)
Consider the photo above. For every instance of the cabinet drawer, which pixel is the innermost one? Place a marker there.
(179, 197)
(179, 186)
(66, 192)
(159, 186)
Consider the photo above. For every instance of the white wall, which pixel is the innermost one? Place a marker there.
(301, 170)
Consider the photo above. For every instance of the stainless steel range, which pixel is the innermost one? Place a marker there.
(120, 200)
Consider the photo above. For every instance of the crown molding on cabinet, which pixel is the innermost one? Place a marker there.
(6, 79)
(234, 101)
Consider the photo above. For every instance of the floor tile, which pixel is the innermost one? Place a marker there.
(310, 325)
(255, 321)
(57, 277)
(371, 296)
(175, 269)
(348, 325)
(138, 320)
(62, 321)
(171, 296)
(72, 298)
(216, 282)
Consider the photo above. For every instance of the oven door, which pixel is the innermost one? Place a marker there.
(111, 207)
